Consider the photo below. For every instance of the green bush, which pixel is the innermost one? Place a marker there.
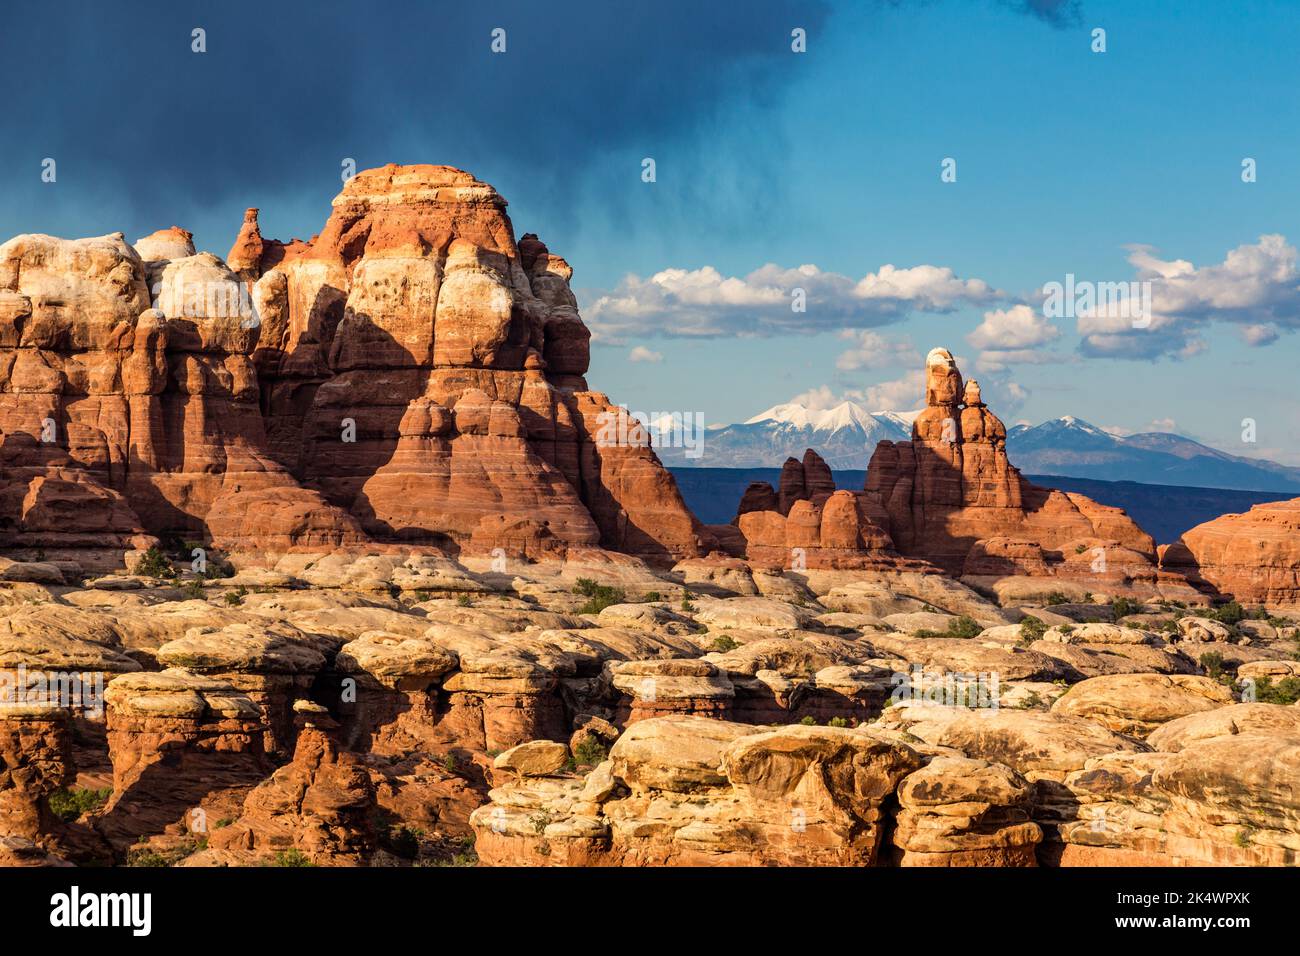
(1123, 607)
(1056, 597)
(464, 601)
(69, 804)
(236, 597)
(964, 626)
(724, 642)
(1230, 613)
(651, 596)
(837, 722)
(809, 721)
(589, 752)
(292, 857)
(599, 596)
(404, 841)
(148, 856)
(1212, 661)
(1031, 629)
(154, 564)
(1285, 691)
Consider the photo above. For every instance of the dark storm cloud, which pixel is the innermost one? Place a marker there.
(146, 132)
(1059, 13)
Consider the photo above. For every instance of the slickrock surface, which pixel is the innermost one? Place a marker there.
(690, 791)
(962, 812)
(389, 709)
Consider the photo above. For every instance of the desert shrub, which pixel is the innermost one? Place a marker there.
(69, 804)
(964, 626)
(194, 589)
(154, 564)
(589, 752)
(1212, 661)
(724, 642)
(236, 597)
(464, 601)
(1054, 598)
(1031, 629)
(1284, 691)
(291, 857)
(1123, 607)
(837, 722)
(601, 597)
(809, 721)
(464, 857)
(651, 596)
(149, 856)
(403, 840)
(1230, 613)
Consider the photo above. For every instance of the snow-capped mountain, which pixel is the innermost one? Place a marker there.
(1072, 447)
(845, 436)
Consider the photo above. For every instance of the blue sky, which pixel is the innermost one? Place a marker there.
(1066, 159)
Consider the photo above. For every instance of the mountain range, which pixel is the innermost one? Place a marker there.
(847, 434)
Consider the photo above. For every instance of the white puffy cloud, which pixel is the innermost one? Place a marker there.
(704, 303)
(899, 395)
(642, 354)
(873, 350)
(1013, 336)
(1018, 328)
(1257, 287)
(817, 399)
(1258, 335)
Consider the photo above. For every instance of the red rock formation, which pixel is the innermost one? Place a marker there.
(457, 356)
(35, 760)
(807, 523)
(412, 371)
(952, 497)
(175, 740)
(130, 401)
(1252, 557)
(320, 804)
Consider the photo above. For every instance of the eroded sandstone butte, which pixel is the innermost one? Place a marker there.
(413, 374)
(951, 498)
(1252, 557)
